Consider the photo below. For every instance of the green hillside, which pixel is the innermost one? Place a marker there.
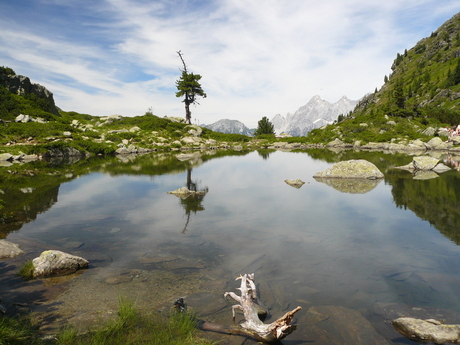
(422, 90)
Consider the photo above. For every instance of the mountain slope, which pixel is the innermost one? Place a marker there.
(425, 79)
(315, 114)
(422, 91)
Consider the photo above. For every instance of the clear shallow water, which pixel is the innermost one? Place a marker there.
(312, 246)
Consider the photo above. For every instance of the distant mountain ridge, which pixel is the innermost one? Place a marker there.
(230, 127)
(315, 114)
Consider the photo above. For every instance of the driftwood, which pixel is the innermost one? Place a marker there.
(253, 326)
(427, 331)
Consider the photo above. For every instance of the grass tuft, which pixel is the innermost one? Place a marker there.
(27, 270)
(17, 331)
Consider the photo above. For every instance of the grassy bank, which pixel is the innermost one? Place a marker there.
(130, 327)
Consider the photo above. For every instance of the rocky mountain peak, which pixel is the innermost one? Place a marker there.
(230, 127)
(315, 114)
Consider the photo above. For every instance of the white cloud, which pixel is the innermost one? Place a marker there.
(256, 58)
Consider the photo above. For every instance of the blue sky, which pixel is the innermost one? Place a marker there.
(257, 57)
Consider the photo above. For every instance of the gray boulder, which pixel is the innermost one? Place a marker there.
(357, 169)
(427, 331)
(430, 131)
(53, 263)
(64, 152)
(424, 162)
(295, 183)
(23, 118)
(434, 143)
(194, 130)
(9, 250)
(335, 143)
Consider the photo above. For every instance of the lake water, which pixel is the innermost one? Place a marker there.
(393, 245)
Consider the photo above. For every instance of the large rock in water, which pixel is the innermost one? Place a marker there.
(357, 169)
(52, 263)
(427, 330)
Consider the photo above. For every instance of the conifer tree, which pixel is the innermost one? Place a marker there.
(189, 87)
(264, 127)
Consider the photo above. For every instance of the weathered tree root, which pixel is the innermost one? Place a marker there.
(426, 331)
(253, 326)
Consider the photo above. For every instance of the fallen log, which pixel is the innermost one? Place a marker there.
(427, 331)
(253, 326)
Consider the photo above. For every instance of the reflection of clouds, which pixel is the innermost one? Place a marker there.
(326, 239)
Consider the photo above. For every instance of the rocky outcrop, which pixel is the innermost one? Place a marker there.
(315, 114)
(21, 85)
(352, 169)
(9, 250)
(27, 118)
(52, 263)
(63, 152)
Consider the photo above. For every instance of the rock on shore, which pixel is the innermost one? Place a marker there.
(53, 263)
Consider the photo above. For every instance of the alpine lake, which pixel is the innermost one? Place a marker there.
(353, 255)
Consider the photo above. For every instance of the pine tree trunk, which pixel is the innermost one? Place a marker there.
(188, 114)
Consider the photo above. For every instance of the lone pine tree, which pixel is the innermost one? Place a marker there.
(190, 88)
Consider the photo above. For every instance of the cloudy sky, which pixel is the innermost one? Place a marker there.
(257, 57)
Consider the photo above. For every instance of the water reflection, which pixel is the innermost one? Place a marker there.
(353, 186)
(314, 246)
(192, 202)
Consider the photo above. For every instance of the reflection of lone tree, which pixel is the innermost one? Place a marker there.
(193, 202)
(265, 153)
(191, 197)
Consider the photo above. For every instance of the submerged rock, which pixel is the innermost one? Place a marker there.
(9, 250)
(356, 169)
(53, 263)
(339, 325)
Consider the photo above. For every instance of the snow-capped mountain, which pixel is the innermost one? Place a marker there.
(315, 114)
(230, 126)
